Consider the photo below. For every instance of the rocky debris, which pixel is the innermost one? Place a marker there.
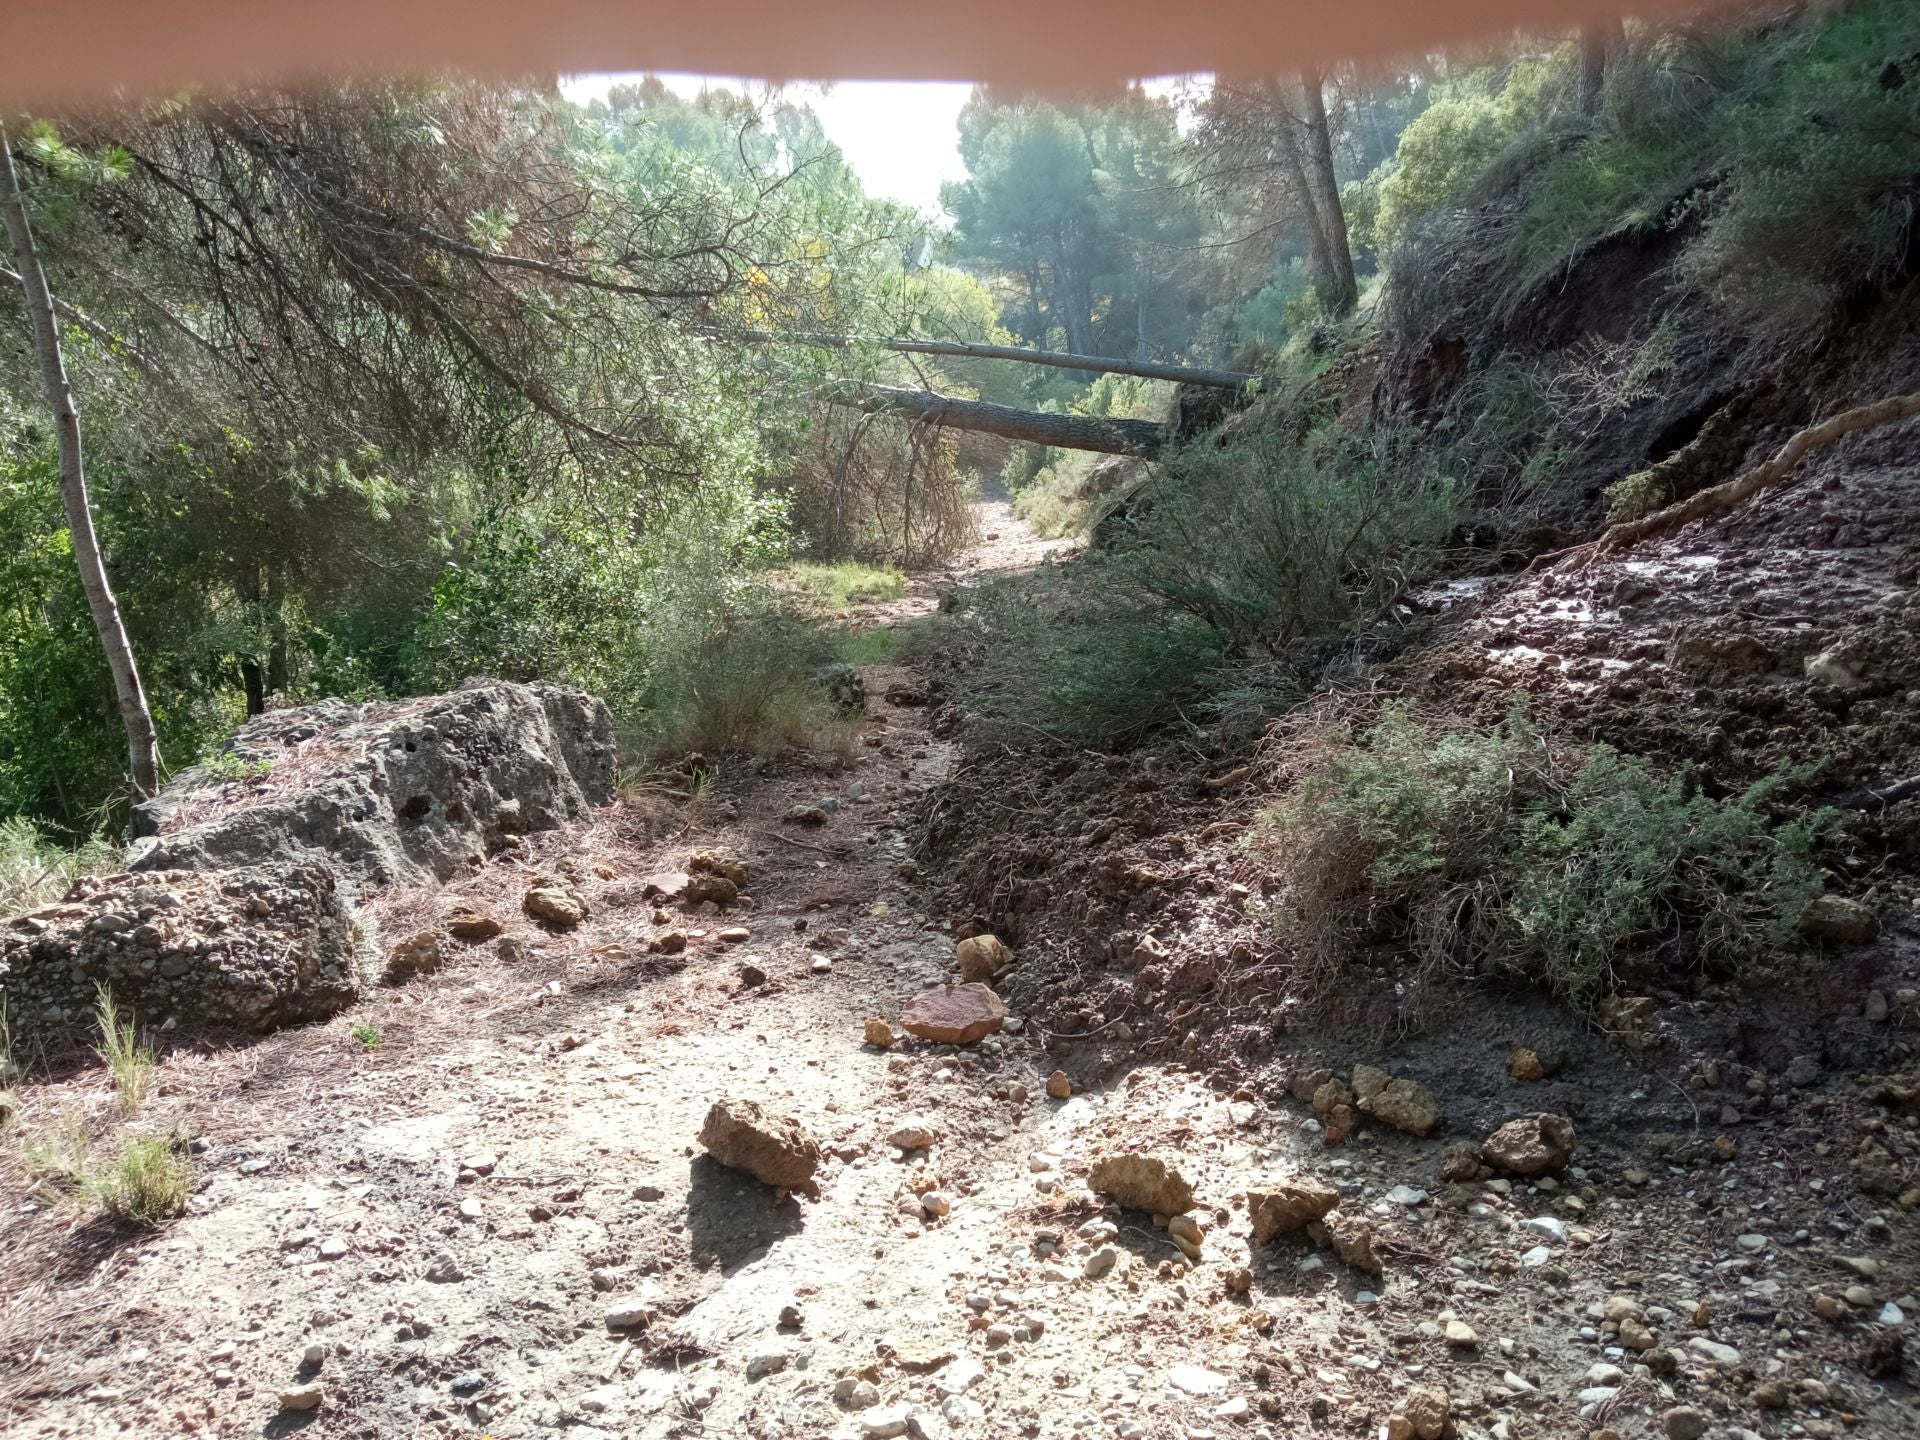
(803, 814)
(751, 975)
(668, 942)
(720, 861)
(1291, 1205)
(471, 925)
(710, 890)
(954, 1014)
(1196, 1380)
(878, 1032)
(421, 953)
(982, 957)
(733, 935)
(1525, 1064)
(775, 1149)
(1835, 917)
(257, 948)
(913, 1133)
(1400, 1103)
(1460, 1162)
(1100, 1262)
(554, 901)
(391, 792)
(1059, 1086)
(1142, 1182)
(1427, 1410)
(1350, 1237)
(1685, 1422)
(1532, 1145)
(302, 1397)
(630, 1312)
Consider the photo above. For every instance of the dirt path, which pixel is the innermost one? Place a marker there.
(434, 1228)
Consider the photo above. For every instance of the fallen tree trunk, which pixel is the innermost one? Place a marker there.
(963, 350)
(1143, 438)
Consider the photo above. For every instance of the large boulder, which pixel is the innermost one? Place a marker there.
(254, 948)
(391, 792)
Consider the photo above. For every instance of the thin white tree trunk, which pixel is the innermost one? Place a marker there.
(143, 748)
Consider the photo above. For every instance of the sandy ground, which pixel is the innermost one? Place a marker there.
(434, 1228)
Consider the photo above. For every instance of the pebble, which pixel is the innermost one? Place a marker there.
(912, 1133)
(1059, 1086)
(1752, 1244)
(1536, 1257)
(1684, 1422)
(934, 1203)
(1407, 1195)
(333, 1247)
(1100, 1262)
(1724, 1356)
(627, 1313)
(1196, 1380)
(885, 1423)
(1460, 1333)
(1554, 1229)
(302, 1397)
(443, 1269)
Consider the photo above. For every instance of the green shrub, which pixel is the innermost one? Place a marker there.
(1080, 654)
(1821, 181)
(1491, 849)
(751, 687)
(1276, 538)
(145, 1181)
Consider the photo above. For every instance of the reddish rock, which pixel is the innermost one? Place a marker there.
(954, 1014)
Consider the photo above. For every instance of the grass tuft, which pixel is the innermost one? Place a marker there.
(131, 1063)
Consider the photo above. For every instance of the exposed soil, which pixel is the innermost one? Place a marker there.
(343, 1196)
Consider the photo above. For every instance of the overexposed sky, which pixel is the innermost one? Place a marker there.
(899, 137)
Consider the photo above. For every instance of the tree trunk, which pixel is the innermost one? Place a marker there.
(1320, 153)
(1071, 432)
(1598, 44)
(1319, 257)
(965, 350)
(143, 746)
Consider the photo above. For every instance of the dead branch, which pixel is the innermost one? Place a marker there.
(1741, 488)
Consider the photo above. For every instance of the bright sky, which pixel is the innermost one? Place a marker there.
(899, 137)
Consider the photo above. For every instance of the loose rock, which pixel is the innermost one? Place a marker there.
(1142, 1182)
(954, 1014)
(1289, 1206)
(982, 957)
(555, 902)
(1399, 1103)
(879, 1032)
(1532, 1145)
(1058, 1086)
(775, 1149)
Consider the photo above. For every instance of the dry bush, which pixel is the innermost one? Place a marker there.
(877, 488)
